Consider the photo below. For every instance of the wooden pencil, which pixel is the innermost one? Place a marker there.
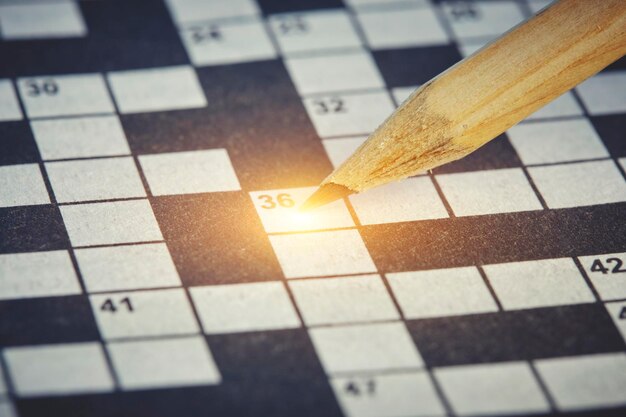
(480, 97)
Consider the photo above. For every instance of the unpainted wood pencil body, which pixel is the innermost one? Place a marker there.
(490, 91)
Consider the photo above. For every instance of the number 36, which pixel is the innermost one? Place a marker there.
(282, 200)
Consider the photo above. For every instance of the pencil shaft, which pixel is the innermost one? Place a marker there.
(490, 91)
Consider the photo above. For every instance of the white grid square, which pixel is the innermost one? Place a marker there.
(279, 211)
(411, 199)
(607, 273)
(314, 31)
(143, 313)
(400, 94)
(325, 253)
(604, 93)
(58, 369)
(343, 300)
(3, 387)
(348, 114)
(402, 27)
(9, 107)
(156, 89)
(65, 95)
(58, 19)
(95, 179)
(488, 192)
(185, 11)
(22, 185)
(563, 106)
(80, 137)
(163, 363)
(127, 267)
(6, 409)
(190, 172)
(470, 46)
(37, 274)
(441, 292)
(371, 4)
(482, 19)
(538, 5)
(390, 395)
(579, 184)
(365, 347)
(340, 149)
(617, 311)
(495, 388)
(338, 72)
(110, 223)
(227, 43)
(556, 141)
(244, 307)
(588, 381)
(542, 283)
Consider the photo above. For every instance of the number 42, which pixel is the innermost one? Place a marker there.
(598, 266)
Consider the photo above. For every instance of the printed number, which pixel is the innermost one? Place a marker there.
(292, 25)
(598, 266)
(47, 87)
(331, 105)
(112, 307)
(464, 10)
(204, 34)
(283, 200)
(357, 389)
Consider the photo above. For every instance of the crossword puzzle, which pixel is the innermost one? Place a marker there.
(153, 154)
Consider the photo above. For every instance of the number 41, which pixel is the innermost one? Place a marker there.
(111, 306)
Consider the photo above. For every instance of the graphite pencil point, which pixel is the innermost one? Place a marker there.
(327, 193)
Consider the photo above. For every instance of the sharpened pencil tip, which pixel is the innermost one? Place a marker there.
(327, 193)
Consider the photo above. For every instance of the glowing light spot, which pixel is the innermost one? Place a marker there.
(300, 218)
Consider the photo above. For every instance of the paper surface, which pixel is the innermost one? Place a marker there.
(153, 261)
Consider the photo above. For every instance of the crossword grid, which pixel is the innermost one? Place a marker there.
(119, 256)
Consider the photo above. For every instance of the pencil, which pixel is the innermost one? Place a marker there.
(480, 97)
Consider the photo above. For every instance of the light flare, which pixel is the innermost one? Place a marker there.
(301, 218)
